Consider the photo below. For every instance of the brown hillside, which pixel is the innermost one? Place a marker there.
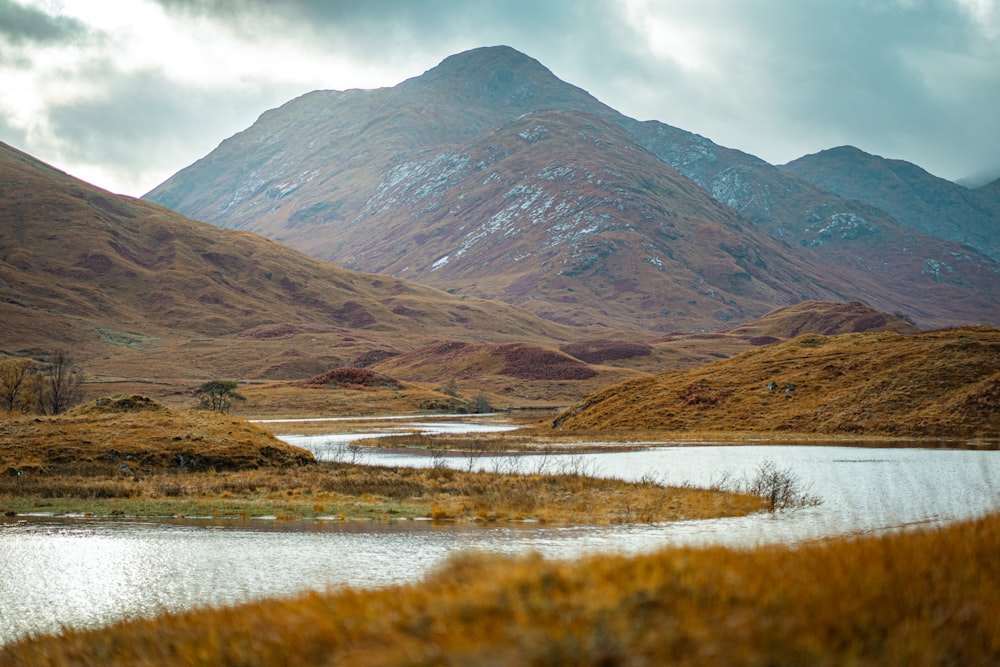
(940, 383)
(136, 291)
(351, 378)
(684, 350)
(825, 319)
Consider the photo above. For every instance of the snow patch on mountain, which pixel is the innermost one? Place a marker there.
(842, 225)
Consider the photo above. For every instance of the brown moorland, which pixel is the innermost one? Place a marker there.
(686, 349)
(912, 598)
(511, 374)
(943, 383)
(291, 400)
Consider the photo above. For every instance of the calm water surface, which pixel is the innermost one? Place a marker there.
(59, 572)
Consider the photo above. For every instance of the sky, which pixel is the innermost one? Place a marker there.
(125, 93)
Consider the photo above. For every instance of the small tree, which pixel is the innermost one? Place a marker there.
(14, 375)
(218, 395)
(482, 403)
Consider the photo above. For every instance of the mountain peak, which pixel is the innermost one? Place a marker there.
(494, 77)
(488, 58)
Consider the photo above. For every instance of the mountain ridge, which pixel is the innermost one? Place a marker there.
(908, 193)
(315, 174)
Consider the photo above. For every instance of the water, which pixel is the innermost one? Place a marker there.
(58, 572)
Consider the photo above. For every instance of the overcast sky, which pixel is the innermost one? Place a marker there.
(124, 93)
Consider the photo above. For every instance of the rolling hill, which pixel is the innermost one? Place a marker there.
(489, 176)
(135, 290)
(943, 383)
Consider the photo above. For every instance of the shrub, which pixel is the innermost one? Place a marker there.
(779, 488)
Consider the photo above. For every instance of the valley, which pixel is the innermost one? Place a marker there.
(481, 311)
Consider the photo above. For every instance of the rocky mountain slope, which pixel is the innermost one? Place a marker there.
(938, 383)
(132, 289)
(909, 194)
(490, 176)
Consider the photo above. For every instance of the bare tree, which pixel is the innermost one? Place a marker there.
(62, 384)
(14, 374)
(779, 488)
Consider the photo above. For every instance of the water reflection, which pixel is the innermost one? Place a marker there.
(84, 573)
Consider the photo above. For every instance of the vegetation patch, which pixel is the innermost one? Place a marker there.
(527, 362)
(118, 404)
(352, 378)
(603, 351)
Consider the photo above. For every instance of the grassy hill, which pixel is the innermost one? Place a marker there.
(141, 436)
(942, 383)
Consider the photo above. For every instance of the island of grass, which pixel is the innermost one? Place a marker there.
(131, 456)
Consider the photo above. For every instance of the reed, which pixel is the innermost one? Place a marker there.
(911, 598)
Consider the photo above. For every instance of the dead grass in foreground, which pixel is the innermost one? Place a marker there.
(913, 598)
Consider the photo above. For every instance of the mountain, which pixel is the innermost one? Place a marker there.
(489, 176)
(134, 290)
(943, 383)
(909, 194)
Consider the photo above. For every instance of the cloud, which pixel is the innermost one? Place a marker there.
(142, 114)
(20, 25)
(156, 84)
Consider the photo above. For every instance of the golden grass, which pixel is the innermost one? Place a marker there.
(937, 384)
(914, 598)
(115, 438)
(350, 491)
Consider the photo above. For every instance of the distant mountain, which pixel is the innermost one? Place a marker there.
(134, 290)
(488, 175)
(909, 194)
